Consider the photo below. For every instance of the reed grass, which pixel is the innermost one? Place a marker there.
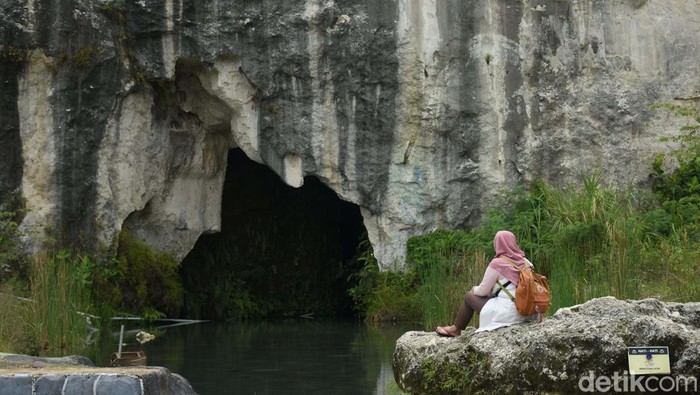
(13, 318)
(434, 292)
(59, 290)
(671, 268)
(590, 240)
(446, 283)
(593, 235)
(45, 318)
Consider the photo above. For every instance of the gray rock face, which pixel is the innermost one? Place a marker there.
(120, 114)
(559, 355)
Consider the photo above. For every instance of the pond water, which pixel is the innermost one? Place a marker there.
(293, 357)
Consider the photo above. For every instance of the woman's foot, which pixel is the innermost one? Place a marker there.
(448, 331)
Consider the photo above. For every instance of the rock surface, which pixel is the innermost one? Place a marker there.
(120, 114)
(21, 375)
(552, 356)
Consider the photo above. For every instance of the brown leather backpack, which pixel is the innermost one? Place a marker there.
(532, 295)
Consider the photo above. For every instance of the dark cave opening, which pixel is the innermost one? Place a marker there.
(281, 252)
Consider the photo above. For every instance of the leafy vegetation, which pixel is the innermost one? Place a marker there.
(13, 54)
(114, 10)
(13, 335)
(60, 296)
(382, 296)
(139, 280)
(44, 314)
(45, 307)
(82, 57)
(589, 239)
(13, 261)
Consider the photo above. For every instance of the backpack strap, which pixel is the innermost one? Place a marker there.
(501, 285)
(506, 290)
(504, 285)
(512, 263)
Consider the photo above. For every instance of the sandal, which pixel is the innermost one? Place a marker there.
(443, 332)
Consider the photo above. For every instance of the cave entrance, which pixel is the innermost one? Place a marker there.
(281, 252)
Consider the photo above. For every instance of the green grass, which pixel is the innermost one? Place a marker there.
(14, 338)
(447, 271)
(590, 240)
(56, 288)
(59, 290)
(41, 316)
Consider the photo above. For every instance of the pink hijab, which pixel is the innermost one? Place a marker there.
(505, 246)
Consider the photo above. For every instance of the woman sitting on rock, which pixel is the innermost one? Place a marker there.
(495, 307)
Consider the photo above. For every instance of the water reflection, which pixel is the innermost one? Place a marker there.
(296, 357)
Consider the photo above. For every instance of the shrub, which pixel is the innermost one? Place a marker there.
(589, 240)
(679, 189)
(139, 279)
(381, 297)
(12, 258)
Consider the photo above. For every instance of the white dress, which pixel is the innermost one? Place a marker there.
(499, 311)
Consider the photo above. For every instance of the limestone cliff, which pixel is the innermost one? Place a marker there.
(121, 113)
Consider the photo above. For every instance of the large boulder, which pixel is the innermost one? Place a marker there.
(565, 353)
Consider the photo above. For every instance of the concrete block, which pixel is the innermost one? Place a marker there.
(118, 385)
(82, 384)
(49, 384)
(18, 384)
